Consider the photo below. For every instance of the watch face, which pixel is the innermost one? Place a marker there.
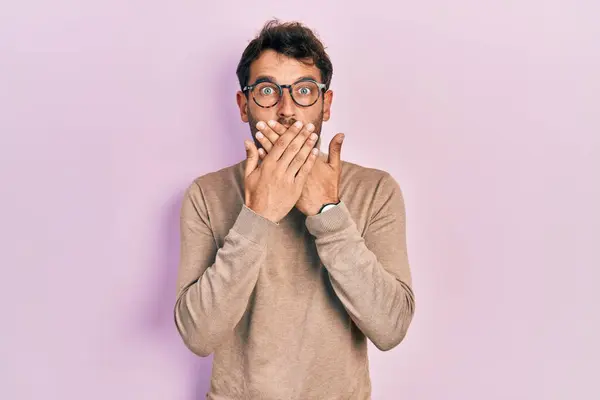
(327, 207)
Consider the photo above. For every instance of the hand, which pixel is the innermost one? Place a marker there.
(322, 185)
(273, 187)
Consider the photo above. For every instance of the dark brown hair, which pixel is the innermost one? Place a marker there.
(291, 39)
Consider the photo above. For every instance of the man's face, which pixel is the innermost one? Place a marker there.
(284, 71)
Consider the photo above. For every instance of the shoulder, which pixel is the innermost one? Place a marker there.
(228, 175)
(376, 179)
(217, 184)
(370, 190)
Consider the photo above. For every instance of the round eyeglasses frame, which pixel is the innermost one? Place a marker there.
(249, 88)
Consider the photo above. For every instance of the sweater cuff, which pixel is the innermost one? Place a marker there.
(333, 220)
(254, 227)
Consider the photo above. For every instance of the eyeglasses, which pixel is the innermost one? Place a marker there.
(304, 93)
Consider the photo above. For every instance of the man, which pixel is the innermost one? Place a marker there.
(290, 260)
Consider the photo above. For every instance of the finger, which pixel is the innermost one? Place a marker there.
(277, 127)
(270, 133)
(281, 144)
(302, 155)
(262, 154)
(296, 146)
(264, 142)
(335, 150)
(308, 165)
(265, 136)
(251, 157)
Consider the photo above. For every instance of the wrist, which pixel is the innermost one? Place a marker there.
(261, 212)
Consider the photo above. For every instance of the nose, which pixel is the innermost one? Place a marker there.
(287, 107)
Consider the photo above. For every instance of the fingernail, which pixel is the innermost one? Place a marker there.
(259, 135)
(315, 151)
(313, 136)
(298, 124)
(260, 125)
(342, 138)
(271, 123)
(310, 127)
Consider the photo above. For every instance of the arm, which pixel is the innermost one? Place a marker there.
(371, 276)
(214, 285)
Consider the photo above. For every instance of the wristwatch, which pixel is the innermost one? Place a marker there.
(327, 207)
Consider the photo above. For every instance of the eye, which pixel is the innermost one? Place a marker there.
(267, 91)
(304, 91)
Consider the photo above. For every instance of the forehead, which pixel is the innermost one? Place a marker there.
(284, 69)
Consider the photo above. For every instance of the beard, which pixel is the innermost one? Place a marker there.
(252, 121)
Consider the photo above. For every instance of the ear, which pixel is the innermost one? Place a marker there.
(242, 103)
(327, 100)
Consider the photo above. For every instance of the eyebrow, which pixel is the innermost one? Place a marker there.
(273, 79)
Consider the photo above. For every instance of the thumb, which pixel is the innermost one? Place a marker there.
(335, 150)
(251, 157)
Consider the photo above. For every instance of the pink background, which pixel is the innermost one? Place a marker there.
(487, 113)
